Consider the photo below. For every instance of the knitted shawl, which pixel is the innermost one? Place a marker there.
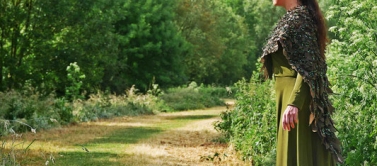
(296, 33)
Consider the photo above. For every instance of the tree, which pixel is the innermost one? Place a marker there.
(15, 27)
(218, 39)
(39, 39)
(150, 46)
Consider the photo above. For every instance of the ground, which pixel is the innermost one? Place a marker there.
(180, 138)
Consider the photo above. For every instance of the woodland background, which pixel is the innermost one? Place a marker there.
(117, 43)
(67, 61)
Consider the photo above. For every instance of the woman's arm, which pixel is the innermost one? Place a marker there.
(296, 102)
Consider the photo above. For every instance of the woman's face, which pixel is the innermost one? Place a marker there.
(278, 2)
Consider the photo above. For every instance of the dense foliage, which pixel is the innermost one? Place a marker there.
(40, 39)
(150, 46)
(117, 44)
(219, 41)
(260, 17)
(352, 59)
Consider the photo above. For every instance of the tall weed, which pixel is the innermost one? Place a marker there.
(14, 150)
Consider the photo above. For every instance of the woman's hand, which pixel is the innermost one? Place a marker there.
(290, 117)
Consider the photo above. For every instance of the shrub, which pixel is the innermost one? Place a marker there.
(44, 112)
(103, 105)
(30, 108)
(353, 73)
(64, 110)
(251, 125)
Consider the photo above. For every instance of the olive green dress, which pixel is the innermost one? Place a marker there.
(300, 146)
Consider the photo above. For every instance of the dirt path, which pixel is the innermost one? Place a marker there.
(196, 143)
(181, 138)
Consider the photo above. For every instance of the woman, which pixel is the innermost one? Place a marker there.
(294, 54)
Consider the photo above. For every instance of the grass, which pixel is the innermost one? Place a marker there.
(163, 139)
(92, 158)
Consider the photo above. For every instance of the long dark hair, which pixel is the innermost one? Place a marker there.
(320, 23)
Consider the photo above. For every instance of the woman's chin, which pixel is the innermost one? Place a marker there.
(275, 3)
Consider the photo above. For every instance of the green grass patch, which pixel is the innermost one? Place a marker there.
(107, 150)
(126, 136)
(111, 148)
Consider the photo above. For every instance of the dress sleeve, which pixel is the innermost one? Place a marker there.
(299, 93)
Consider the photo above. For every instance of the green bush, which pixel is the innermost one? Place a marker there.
(352, 59)
(31, 108)
(251, 125)
(192, 97)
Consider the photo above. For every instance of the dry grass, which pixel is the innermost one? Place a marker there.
(181, 138)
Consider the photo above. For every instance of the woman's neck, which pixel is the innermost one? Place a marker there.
(291, 5)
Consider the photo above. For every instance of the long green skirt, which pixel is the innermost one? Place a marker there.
(300, 146)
